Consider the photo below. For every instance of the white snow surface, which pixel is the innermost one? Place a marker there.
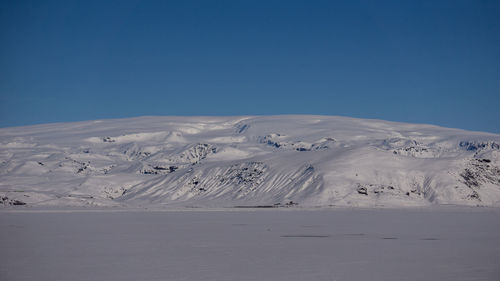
(312, 161)
(341, 244)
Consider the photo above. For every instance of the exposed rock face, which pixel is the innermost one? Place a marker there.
(479, 145)
(479, 172)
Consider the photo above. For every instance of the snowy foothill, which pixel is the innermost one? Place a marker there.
(290, 160)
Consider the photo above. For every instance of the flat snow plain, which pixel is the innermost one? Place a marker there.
(444, 243)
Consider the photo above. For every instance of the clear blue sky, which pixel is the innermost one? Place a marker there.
(432, 62)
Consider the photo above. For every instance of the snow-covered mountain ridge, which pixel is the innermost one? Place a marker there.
(247, 161)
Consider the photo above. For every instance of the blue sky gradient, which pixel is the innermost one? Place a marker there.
(434, 62)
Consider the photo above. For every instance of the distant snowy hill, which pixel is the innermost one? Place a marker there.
(247, 161)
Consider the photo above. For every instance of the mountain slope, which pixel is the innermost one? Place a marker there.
(247, 161)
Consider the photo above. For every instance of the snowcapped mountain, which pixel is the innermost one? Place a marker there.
(247, 161)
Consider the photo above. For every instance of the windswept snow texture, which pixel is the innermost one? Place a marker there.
(247, 161)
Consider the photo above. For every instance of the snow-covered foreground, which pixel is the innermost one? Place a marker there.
(247, 161)
(336, 244)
